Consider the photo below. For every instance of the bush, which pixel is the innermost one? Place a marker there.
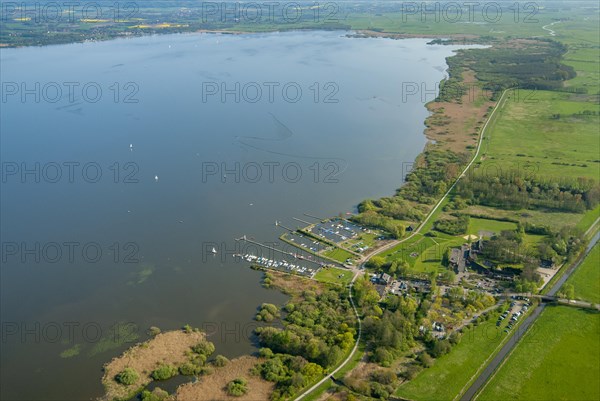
(127, 377)
(384, 376)
(452, 226)
(157, 394)
(189, 369)
(164, 372)
(383, 357)
(154, 331)
(206, 371)
(220, 361)
(266, 353)
(205, 348)
(426, 360)
(267, 313)
(237, 387)
(440, 348)
(411, 372)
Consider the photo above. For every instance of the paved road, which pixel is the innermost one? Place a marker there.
(520, 332)
(358, 271)
(462, 174)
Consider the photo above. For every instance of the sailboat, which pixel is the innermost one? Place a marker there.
(213, 251)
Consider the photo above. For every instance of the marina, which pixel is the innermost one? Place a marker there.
(295, 267)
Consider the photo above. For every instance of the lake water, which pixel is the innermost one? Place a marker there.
(228, 133)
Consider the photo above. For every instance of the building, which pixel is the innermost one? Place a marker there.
(459, 258)
(384, 279)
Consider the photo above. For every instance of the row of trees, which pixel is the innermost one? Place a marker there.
(513, 191)
(434, 171)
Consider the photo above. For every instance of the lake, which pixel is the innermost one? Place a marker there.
(125, 162)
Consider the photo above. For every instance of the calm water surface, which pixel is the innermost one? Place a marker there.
(339, 132)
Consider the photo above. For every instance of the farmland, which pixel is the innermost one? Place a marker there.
(445, 380)
(556, 360)
(534, 133)
(586, 280)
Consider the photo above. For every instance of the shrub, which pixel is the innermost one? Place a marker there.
(426, 360)
(267, 313)
(384, 376)
(206, 371)
(220, 361)
(157, 394)
(266, 353)
(205, 348)
(237, 387)
(127, 377)
(411, 372)
(154, 331)
(164, 372)
(189, 369)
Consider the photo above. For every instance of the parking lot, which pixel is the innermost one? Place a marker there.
(516, 310)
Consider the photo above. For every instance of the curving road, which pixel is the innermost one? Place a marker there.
(358, 271)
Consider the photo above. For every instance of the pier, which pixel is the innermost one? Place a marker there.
(294, 255)
(278, 224)
(302, 221)
(314, 217)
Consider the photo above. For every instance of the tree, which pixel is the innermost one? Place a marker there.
(383, 357)
(393, 268)
(189, 369)
(157, 394)
(446, 257)
(376, 262)
(220, 361)
(440, 348)
(204, 348)
(237, 387)
(425, 359)
(164, 372)
(569, 291)
(127, 377)
(529, 273)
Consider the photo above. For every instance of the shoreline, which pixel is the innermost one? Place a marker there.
(429, 134)
(358, 33)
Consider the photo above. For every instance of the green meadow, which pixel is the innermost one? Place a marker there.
(586, 280)
(557, 359)
(450, 373)
(334, 275)
(535, 132)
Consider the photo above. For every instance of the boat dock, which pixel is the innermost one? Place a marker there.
(295, 267)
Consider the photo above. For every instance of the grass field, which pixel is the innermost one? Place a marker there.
(422, 253)
(589, 218)
(535, 217)
(452, 372)
(528, 136)
(338, 254)
(556, 360)
(495, 226)
(334, 275)
(586, 280)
